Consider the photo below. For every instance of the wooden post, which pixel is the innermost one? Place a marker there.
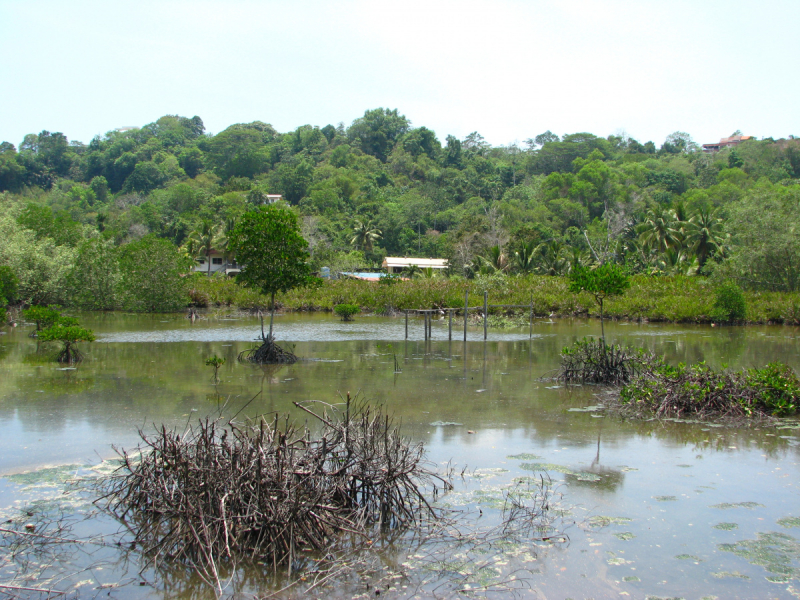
(425, 324)
(530, 335)
(466, 313)
(406, 323)
(485, 315)
(430, 325)
(450, 324)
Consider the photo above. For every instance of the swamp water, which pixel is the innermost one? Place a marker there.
(651, 509)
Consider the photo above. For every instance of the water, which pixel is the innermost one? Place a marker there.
(651, 505)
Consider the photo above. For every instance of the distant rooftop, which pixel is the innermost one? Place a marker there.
(395, 263)
(726, 142)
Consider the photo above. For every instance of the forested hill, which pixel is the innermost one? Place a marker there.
(382, 186)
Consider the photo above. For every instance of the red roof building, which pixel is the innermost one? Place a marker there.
(726, 143)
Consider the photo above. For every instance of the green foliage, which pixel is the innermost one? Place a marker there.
(273, 254)
(601, 282)
(68, 333)
(729, 303)
(152, 276)
(9, 286)
(346, 311)
(43, 316)
(698, 390)
(215, 362)
(94, 277)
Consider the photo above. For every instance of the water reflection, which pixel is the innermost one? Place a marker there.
(151, 370)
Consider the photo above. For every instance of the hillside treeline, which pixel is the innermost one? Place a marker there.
(384, 187)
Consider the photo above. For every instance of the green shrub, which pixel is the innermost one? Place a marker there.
(729, 304)
(346, 311)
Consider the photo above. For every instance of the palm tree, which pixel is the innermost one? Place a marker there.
(552, 260)
(660, 229)
(675, 261)
(204, 237)
(495, 261)
(705, 235)
(577, 258)
(224, 241)
(524, 258)
(365, 235)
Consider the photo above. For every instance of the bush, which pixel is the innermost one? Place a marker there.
(700, 391)
(346, 311)
(729, 304)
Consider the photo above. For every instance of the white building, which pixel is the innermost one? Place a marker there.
(396, 264)
(219, 264)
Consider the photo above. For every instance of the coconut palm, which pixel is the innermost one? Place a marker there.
(705, 235)
(660, 229)
(224, 241)
(205, 236)
(551, 258)
(494, 261)
(524, 258)
(676, 261)
(576, 258)
(365, 235)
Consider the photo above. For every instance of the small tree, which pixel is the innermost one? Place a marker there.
(43, 316)
(273, 254)
(729, 303)
(69, 333)
(346, 311)
(604, 281)
(216, 362)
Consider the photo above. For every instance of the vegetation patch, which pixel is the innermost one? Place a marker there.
(665, 391)
(625, 536)
(689, 557)
(726, 526)
(665, 498)
(600, 521)
(789, 522)
(778, 553)
(524, 456)
(729, 505)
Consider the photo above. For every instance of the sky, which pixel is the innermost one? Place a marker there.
(507, 69)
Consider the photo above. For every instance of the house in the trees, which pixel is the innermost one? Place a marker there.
(219, 263)
(397, 264)
(727, 142)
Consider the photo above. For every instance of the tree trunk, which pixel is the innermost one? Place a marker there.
(271, 313)
(208, 259)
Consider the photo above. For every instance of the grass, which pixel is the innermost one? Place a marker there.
(675, 299)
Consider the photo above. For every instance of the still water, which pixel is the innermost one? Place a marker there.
(658, 509)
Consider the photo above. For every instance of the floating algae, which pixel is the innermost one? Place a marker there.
(689, 557)
(727, 505)
(724, 574)
(550, 467)
(625, 536)
(588, 409)
(524, 456)
(445, 424)
(600, 521)
(778, 553)
(789, 522)
(665, 498)
(630, 578)
(48, 476)
(726, 526)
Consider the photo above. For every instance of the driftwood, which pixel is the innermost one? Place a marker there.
(221, 493)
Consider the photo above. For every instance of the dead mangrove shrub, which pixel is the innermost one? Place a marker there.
(221, 493)
(592, 361)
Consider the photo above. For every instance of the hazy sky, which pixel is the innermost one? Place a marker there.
(509, 70)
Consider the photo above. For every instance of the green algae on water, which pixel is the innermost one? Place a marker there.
(726, 526)
(625, 536)
(724, 574)
(665, 498)
(789, 522)
(524, 456)
(689, 557)
(727, 505)
(630, 578)
(600, 521)
(778, 553)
